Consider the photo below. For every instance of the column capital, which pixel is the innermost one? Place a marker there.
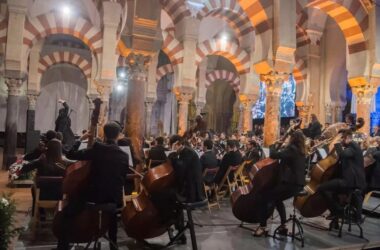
(14, 86)
(137, 65)
(364, 94)
(32, 100)
(247, 100)
(183, 94)
(274, 82)
(104, 91)
(18, 6)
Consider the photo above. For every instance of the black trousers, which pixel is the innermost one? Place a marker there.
(332, 188)
(274, 199)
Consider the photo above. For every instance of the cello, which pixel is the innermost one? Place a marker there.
(245, 201)
(313, 204)
(84, 226)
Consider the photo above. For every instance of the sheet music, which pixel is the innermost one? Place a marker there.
(127, 150)
(83, 145)
(266, 151)
(169, 152)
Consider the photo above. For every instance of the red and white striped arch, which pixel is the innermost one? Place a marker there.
(228, 76)
(163, 71)
(172, 48)
(54, 23)
(230, 11)
(259, 13)
(3, 29)
(300, 71)
(238, 57)
(176, 9)
(350, 16)
(65, 57)
(301, 34)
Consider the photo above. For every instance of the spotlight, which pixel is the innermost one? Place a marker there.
(66, 10)
(119, 87)
(122, 74)
(224, 38)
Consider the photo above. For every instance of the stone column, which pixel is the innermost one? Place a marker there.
(272, 117)
(184, 95)
(104, 90)
(328, 113)
(32, 136)
(247, 102)
(149, 102)
(339, 112)
(303, 113)
(364, 97)
(135, 118)
(13, 103)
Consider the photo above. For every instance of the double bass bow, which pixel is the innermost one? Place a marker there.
(245, 201)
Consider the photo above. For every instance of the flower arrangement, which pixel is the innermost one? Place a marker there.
(7, 222)
(15, 169)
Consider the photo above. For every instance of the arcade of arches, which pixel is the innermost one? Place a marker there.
(165, 64)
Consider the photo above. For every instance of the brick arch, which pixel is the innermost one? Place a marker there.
(54, 23)
(300, 71)
(163, 71)
(231, 12)
(238, 57)
(232, 78)
(302, 37)
(65, 57)
(176, 9)
(172, 48)
(350, 17)
(259, 13)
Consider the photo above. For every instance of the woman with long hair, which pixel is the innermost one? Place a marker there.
(290, 180)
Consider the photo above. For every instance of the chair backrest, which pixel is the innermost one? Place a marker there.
(50, 187)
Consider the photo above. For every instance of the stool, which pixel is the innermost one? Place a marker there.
(109, 208)
(189, 207)
(349, 214)
(295, 223)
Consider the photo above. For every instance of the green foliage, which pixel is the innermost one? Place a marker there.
(7, 222)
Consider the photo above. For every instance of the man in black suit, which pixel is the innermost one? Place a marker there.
(109, 167)
(231, 158)
(208, 160)
(350, 176)
(314, 129)
(157, 153)
(253, 152)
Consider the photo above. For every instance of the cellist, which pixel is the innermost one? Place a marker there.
(108, 170)
(350, 176)
(290, 180)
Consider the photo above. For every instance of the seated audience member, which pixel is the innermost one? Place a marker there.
(157, 153)
(253, 152)
(231, 158)
(208, 159)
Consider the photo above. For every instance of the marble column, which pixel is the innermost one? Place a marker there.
(247, 102)
(364, 97)
(183, 95)
(13, 103)
(135, 118)
(272, 119)
(339, 112)
(199, 107)
(328, 113)
(104, 90)
(32, 136)
(241, 118)
(149, 102)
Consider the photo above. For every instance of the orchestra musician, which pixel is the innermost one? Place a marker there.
(157, 152)
(108, 170)
(208, 159)
(290, 180)
(350, 176)
(253, 152)
(314, 129)
(233, 157)
(373, 172)
(63, 124)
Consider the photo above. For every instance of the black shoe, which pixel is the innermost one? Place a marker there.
(334, 224)
(282, 230)
(260, 232)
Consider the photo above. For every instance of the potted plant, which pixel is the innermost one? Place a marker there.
(8, 229)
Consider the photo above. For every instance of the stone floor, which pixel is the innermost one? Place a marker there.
(220, 230)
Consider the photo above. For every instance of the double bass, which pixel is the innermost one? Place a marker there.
(140, 217)
(84, 226)
(245, 201)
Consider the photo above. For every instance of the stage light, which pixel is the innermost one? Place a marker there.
(66, 10)
(119, 87)
(122, 74)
